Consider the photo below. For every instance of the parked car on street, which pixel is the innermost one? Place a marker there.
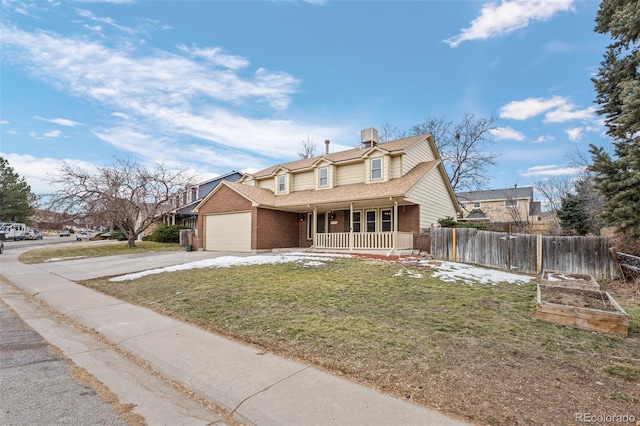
(1, 246)
(33, 234)
(65, 233)
(83, 236)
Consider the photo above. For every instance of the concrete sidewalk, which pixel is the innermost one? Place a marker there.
(254, 387)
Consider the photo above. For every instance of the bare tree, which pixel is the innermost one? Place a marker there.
(389, 133)
(553, 189)
(462, 147)
(130, 196)
(308, 149)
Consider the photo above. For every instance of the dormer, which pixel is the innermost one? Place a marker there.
(324, 172)
(247, 179)
(376, 166)
(282, 181)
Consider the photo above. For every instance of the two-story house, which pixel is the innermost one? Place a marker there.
(509, 205)
(378, 197)
(183, 202)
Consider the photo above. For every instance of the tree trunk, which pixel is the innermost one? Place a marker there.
(131, 242)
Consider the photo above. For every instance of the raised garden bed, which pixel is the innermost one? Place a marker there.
(585, 309)
(569, 280)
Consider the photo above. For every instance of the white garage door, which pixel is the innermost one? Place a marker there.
(228, 232)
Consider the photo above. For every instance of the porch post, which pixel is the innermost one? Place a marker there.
(395, 224)
(351, 227)
(314, 227)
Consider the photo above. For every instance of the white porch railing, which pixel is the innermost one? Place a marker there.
(364, 240)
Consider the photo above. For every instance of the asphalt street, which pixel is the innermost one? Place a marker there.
(36, 385)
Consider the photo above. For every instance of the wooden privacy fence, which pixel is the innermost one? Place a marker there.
(529, 254)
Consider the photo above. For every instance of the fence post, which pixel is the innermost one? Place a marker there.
(453, 237)
(539, 254)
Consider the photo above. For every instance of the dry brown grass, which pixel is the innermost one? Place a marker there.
(474, 352)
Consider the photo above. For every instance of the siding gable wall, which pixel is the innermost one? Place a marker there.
(432, 195)
(415, 154)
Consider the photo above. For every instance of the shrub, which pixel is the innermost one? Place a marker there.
(449, 222)
(167, 233)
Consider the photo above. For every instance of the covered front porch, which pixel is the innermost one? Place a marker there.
(373, 226)
(370, 242)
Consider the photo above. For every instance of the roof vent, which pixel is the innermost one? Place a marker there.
(369, 137)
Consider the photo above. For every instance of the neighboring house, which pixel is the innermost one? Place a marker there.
(511, 205)
(183, 203)
(378, 197)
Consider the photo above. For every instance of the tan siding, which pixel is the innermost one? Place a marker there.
(303, 181)
(266, 184)
(351, 173)
(432, 195)
(415, 154)
(396, 167)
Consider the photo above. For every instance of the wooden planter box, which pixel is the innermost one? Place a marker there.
(569, 280)
(585, 309)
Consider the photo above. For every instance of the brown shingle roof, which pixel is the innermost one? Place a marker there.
(350, 154)
(358, 191)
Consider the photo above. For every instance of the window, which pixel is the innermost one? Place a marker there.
(371, 220)
(282, 184)
(357, 221)
(476, 205)
(323, 177)
(511, 203)
(386, 221)
(194, 194)
(376, 168)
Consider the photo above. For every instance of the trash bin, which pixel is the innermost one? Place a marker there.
(189, 247)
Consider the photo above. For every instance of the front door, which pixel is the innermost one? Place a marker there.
(321, 228)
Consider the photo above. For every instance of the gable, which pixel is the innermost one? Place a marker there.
(222, 200)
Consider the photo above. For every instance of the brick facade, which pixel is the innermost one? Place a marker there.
(274, 229)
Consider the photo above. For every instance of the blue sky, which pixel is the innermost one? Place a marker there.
(216, 86)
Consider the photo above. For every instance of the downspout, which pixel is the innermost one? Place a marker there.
(395, 226)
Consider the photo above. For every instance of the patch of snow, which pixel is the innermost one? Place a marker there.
(228, 261)
(453, 272)
(407, 272)
(556, 276)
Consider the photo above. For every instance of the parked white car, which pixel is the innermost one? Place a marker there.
(83, 236)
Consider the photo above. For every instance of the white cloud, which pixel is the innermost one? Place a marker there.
(38, 171)
(170, 95)
(551, 170)
(530, 107)
(60, 121)
(53, 134)
(507, 133)
(4, 122)
(575, 133)
(508, 16)
(543, 138)
(216, 57)
(567, 113)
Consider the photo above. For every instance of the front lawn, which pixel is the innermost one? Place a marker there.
(471, 351)
(82, 249)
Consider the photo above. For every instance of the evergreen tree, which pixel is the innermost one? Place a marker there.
(617, 176)
(17, 202)
(572, 215)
